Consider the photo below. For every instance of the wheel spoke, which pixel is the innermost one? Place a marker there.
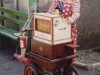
(73, 73)
(30, 70)
(47, 73)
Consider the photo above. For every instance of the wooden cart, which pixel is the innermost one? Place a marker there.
(49, 48)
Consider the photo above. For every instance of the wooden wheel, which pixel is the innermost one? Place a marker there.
(57, 72)
(30, 70)
(70, 71)
(47, 73)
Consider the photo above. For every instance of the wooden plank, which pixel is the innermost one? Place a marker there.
(8, 34)
(21, 23)
(72, 45)
(14, 12)
(8, 29)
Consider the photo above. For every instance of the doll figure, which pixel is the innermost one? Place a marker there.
(56, 12)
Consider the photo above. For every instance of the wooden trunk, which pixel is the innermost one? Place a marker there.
(50, 51)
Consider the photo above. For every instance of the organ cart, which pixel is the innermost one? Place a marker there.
(48, 49)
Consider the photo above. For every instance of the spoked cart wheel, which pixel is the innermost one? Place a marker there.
(70, 71)
(30, 70)
(47, 73)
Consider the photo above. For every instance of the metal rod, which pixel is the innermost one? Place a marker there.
(30, 18)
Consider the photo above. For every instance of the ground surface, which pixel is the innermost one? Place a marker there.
(88, 56)
(8, 66)
(14, 67)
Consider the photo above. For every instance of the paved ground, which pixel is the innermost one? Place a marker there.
(85, 72)
(8, 66)
(14, 67)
